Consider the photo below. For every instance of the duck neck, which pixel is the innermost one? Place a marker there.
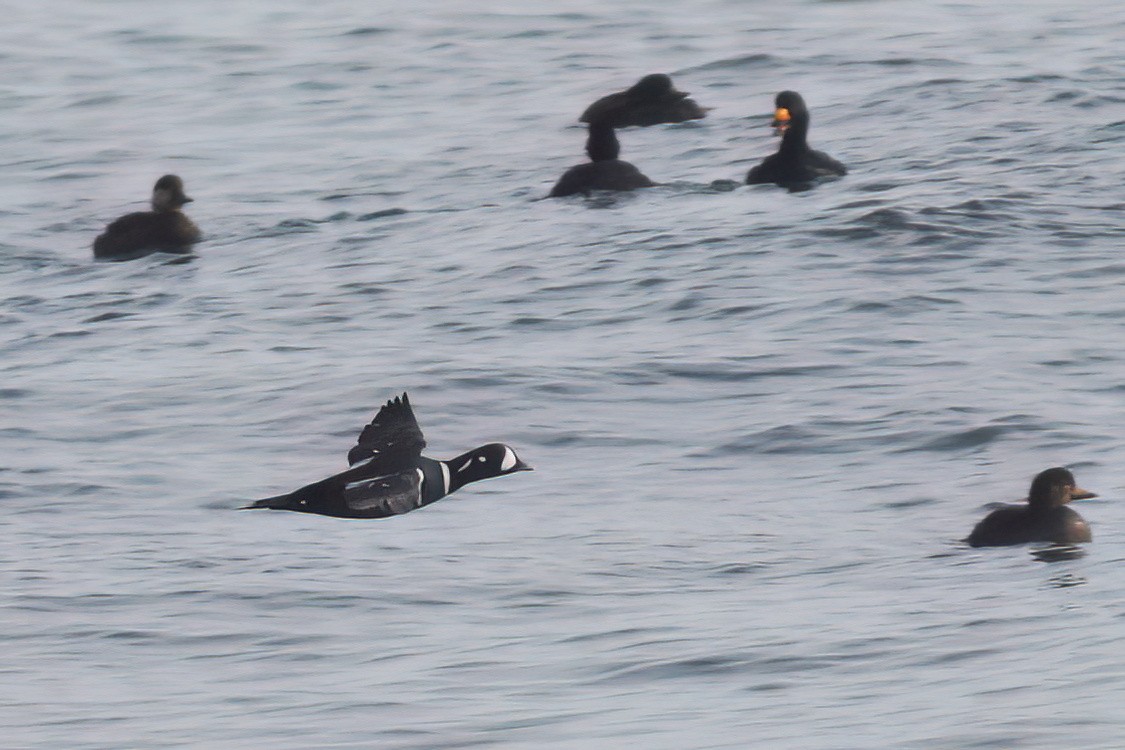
(460, 470)
(602, 145)
(796, 135)
(1044, 505)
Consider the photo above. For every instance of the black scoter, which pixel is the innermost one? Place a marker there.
(650, 101)
(604, 171)
(795, 164)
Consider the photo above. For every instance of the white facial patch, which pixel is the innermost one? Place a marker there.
(444, 478)
(509, 459)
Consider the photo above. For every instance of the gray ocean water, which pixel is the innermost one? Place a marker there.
(761, 421)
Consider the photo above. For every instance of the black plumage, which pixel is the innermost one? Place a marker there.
(604, 171)
(389, 475)
(795, 165)
(650, 101)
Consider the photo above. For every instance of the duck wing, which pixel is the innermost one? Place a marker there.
(388, 495)
(825, 164)
(393, 432)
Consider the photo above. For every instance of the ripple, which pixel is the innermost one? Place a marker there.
(964, 439)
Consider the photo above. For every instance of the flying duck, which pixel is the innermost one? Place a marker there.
(388, 474)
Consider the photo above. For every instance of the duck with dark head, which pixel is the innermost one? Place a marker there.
(795, 165)
(604, 171)
(163, 229)
(389, 476)
(1044, 518)
(650, 101)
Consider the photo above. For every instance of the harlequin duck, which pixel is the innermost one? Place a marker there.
(164, 228)
(1045, 517)
(604, 170)
(389, 475)
(650, 101)
(794, 164)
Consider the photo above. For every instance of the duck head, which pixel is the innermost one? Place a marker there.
(1055, 487)
(788, 106)
(656, 86)
(485, 462)
(168, 193)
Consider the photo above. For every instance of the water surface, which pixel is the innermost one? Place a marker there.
(760, 420)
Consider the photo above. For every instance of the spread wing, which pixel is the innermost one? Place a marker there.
(394, 430)
(388, 495)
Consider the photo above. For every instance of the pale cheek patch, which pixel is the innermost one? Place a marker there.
(509, 460)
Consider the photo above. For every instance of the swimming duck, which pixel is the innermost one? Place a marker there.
(1045, 517)
(388, 474)
(164, 228)
(794, 164)
(604, 170)
(650, 101)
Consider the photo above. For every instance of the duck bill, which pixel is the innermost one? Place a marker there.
(1080, 494)
(521, 466)
(781, 119)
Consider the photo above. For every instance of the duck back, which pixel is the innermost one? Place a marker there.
(144, 232)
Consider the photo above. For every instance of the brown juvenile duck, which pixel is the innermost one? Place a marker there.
(1044, 518)
(164, 228)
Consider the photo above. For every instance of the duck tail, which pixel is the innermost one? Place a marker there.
(276, 502)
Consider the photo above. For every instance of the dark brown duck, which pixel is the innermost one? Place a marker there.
(1044, 518)
(163, 229)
